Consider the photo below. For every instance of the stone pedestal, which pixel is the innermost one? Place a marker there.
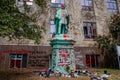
(62, 55)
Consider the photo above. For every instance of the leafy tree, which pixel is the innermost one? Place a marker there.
(15, 24)
(107, 44)
(114, 26)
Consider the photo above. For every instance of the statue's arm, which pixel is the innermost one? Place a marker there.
(56, 20)
(58, 14)
(68, 19)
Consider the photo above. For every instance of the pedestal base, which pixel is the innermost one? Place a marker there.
(62, 56)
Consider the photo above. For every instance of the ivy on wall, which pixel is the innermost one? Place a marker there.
(41, 3)
(107, 43)
(114, 26)
(17, 25)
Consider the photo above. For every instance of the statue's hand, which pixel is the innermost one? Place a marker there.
(68, 20)
(67, 16)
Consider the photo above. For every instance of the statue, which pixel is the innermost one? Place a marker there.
(61, 20)
(62, 43)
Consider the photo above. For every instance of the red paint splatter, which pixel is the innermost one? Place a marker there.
(65, 36)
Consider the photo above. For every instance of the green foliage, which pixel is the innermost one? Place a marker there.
(114, 25)
(41, 3)
(103, 42)
(107, 44)
(15, 24)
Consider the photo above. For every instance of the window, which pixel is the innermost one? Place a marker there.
(29, 2)
(20, 2)
(56, 3)
(89, 30)
(87, 5)
(52, 28)
(112, 6)
(92, 60)
(18, 60)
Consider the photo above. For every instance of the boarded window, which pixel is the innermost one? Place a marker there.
(92, 60)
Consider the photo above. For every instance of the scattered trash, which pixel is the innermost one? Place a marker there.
(106, 75)
(74, 74)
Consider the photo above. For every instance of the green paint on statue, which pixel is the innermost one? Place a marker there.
(62, 44)
(61, 21)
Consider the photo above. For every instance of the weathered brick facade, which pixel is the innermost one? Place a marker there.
(38, 56)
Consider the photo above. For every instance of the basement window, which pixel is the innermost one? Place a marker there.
(57, 3)
(18, 60)
(89, 29)
(112, 6)
(87, 5)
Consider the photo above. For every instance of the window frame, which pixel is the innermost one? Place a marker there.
(52, 32)
(85, 5)
(112, 6)
(57, 3)
(89, 30)
(19, 2)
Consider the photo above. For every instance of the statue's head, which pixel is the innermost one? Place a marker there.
(63, 6)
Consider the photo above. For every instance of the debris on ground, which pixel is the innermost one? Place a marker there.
(93, 75)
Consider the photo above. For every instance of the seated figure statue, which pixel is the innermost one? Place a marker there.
(61, 20)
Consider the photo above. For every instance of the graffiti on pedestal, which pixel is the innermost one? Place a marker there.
(64, 57)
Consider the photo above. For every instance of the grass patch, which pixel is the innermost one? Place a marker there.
(27, 74)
